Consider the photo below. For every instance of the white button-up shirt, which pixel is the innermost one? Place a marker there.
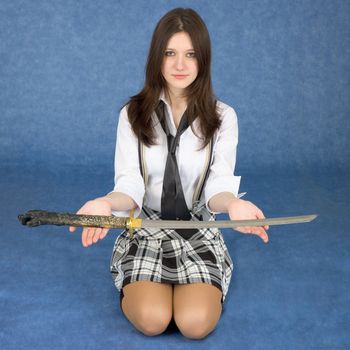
(190, 160)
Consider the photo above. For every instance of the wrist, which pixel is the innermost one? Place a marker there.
(232, 203)
(105, 200)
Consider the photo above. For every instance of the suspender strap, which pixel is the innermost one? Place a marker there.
(203, 178)
(142, 162)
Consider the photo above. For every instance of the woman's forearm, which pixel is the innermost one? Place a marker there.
(119, 201)
(122, 202)
(221, 201)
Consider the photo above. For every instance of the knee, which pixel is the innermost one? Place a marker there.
(194, 325)
(152, 321)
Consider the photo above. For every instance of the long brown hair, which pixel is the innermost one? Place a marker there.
(201, 102)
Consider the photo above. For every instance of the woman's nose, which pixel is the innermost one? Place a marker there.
(179, 62)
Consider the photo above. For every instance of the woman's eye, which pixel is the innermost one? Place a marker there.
(172, 53)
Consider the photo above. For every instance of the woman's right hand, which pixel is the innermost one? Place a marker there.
(98, 206)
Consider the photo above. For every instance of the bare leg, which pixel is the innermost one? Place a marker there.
(148, 306)
(197, 309)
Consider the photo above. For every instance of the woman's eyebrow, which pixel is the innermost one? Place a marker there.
(169, 48)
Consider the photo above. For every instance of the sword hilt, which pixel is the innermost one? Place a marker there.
(41, 217)
(133, 223)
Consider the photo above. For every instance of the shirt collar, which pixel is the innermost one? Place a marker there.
(163, 98)
(169, 120)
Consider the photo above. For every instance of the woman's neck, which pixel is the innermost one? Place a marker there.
(176, 98)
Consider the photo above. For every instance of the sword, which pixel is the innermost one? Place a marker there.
(41, 217)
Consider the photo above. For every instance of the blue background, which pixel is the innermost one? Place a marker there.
(66, 67)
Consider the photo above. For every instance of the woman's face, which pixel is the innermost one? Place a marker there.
(179, 67)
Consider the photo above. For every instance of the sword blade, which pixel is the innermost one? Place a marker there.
(174, 224)
(40, 217)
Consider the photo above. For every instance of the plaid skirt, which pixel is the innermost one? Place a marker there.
(174, 257)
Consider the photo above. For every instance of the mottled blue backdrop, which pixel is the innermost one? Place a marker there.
(66, 67)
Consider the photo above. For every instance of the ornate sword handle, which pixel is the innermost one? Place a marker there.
(41, 217)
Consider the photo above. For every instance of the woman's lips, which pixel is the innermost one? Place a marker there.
(180, 76)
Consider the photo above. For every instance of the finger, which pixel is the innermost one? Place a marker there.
(83, 211)
(260, 215)
(243, 229)
(104, 233)
(84, 237)
(259, 231)
(90, 235)
(97, 234)
(72, 228)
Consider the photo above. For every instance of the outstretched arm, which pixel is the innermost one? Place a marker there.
(239, 209)
(129, 187)
(114, 201)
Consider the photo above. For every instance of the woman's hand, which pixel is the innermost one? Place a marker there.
(97, 206)
(240, 209)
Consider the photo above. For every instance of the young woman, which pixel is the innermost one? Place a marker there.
(175, 158)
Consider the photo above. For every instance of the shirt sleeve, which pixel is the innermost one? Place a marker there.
(221, 174)
(128, 178)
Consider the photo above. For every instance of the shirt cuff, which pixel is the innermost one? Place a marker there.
(224, 184)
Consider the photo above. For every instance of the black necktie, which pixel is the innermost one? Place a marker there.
(173, 203)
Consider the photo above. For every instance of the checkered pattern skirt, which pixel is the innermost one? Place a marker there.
(174, 257)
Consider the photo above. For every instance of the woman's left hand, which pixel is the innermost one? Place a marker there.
(240, 209)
